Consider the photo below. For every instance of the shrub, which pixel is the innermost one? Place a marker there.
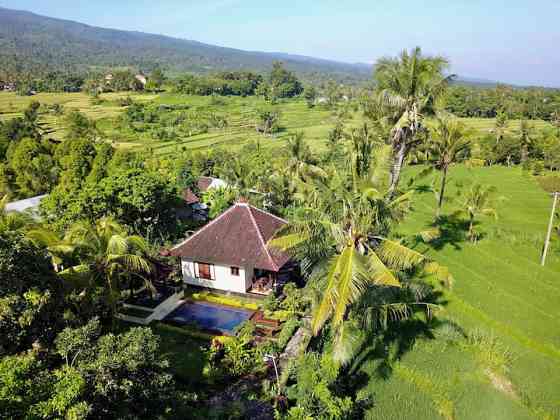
(287, 332)
(475, 163)
(224, 300)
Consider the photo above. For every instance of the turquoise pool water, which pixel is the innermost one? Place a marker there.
(209, 316)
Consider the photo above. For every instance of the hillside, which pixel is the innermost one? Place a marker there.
(37, 43)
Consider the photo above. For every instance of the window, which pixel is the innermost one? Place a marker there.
(234, 271)
(205, 271)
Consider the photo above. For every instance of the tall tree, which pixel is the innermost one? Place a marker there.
(310, 94)
(448, 144)
(525, 136)
(341, 239)
(478, 201)
(29, 295)
(300, 159)
(500, 126)
(409, 87)
(283, 83)
(108, 256)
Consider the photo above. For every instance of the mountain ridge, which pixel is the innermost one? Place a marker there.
(34, 41)
(38, 44)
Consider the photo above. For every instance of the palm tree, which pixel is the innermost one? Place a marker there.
(108, 255)
(59, 248)
(555, 120)
(500, 126)
(525, 139)
(300, 162)
(478, 201)
(340, 240)
(409, 87)
(299, 153)
(240, 174)
(13, 221)
(448, 143)
(219, 199)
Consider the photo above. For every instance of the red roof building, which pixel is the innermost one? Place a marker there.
(203, 183)
(231, 252)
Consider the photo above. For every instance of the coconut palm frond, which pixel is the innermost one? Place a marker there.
(401, 199)
(392, 100)
(324, 309)
(348, 339)
(131, 262)
(61, 249)
(117, 244)
(381, 274)
(138, 243)
(429, 235)
(289, 240)
(381, 165)
(351, 282)
(42, 237)
(441, 273)
(379, 315)
(397, 255)
(79, 276)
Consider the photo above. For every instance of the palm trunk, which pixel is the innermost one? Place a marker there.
(471, 228)
(442, 191)
(396, 168)
(524, 153)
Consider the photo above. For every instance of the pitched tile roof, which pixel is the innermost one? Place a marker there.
(237, 237)
(203, 183)
(190, 197)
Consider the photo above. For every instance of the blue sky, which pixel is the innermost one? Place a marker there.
(512, 41)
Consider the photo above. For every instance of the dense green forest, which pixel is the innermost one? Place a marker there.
(36, 45)
(418, 235)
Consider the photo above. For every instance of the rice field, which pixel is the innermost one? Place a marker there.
(494, 351)
(240, 113)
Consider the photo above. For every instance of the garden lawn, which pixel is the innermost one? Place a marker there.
(184, 352)
(500, 291)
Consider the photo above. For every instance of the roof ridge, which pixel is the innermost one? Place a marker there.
(267, 213)
(204, 228)
(252, 217)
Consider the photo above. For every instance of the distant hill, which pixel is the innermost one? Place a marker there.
(34, 43)
(471, 81)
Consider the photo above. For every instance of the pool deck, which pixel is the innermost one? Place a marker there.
(157, 313)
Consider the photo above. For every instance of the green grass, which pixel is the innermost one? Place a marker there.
(184, 352)
(486, 125)
(499, 289)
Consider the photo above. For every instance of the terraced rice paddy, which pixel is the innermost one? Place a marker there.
(501, 293)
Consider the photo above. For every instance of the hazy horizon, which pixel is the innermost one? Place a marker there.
(510, 42)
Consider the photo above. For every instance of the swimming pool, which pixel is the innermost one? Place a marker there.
(210, 316)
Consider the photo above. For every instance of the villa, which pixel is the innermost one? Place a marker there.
(231, 253)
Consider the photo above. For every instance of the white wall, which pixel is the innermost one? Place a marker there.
(224, 280)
